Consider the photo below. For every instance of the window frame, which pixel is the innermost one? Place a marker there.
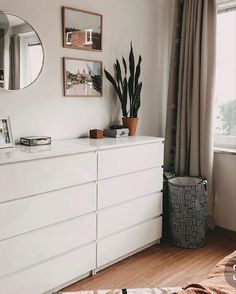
(225, 141)
(88, 37)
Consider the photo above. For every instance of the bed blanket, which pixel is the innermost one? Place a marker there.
(221, 280)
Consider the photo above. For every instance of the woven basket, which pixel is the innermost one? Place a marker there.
(187, 211)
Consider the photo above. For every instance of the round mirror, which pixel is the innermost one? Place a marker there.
(21, 53)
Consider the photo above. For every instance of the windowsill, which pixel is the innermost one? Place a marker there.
(224, 150)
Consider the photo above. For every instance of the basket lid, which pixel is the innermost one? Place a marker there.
(186, 181)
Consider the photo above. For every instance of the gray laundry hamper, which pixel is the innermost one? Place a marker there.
(187, 211)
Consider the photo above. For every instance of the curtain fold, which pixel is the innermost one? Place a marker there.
(189, 131)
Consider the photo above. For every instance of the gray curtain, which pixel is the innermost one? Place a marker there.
(189, 132)
(14, 74)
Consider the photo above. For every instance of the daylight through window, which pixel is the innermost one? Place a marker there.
(225, 106)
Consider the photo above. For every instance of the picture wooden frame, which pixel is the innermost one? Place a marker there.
(2, 78)
(82, 29)
(82, 77)
(6, 136)
(1, 75)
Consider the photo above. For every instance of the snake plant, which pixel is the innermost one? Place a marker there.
(127, 86)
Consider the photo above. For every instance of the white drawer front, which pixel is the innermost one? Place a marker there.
(51, 274)
(121, 244)
(39, 176)
(122, 188)
(42, 210)
(116, 218)
(129, 159)
(26, 250)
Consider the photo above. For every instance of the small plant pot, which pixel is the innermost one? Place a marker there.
(131, 124)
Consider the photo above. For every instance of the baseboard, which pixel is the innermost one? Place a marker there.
(226, 232)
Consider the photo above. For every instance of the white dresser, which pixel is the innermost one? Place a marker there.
(76, 207)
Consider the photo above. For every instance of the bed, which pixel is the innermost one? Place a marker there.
(221, 280)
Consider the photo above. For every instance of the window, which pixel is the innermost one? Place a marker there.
(225, 106)
(35, 51)
(69, 38)
(88, 37)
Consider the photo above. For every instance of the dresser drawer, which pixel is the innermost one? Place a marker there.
(121, 244)
(28, 249)
(124, 160)
(31, 213)
(51, 274)
(122, 188)
(116, 218)
(38, 176)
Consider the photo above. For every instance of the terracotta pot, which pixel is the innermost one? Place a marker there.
(131, 124)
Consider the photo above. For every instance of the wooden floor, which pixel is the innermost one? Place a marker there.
(162, 265)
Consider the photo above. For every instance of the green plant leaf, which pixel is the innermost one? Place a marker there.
(131, 60)
(125, 96)
(130, 89)
(113, 82)
(119, 81)
(138, 71)
(125, 65)
(131, 69)
(137, 101)
(118, 91)
(118, 73)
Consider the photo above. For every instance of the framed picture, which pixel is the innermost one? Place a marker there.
(82, 78)
(6, 137)
(81, 29)
(1, 77)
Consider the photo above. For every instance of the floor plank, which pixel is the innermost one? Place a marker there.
(162, 265)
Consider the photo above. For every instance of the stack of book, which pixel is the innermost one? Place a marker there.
(116, 133)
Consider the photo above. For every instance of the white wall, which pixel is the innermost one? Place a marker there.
(225, 190)
(42, 109)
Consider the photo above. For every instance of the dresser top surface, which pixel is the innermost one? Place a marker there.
(58, 148)
(109, 143)
(69, 147)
